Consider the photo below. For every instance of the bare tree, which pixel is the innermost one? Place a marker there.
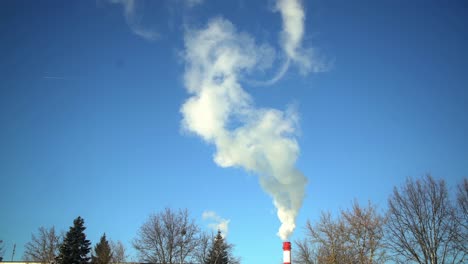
(44, 246)
(168, 237)
(462, 217)
(421, 226)
(462, 198)
(203, 247)
(118, 252)
(305, 253)
(329, 238)
(364, 228)
(355, 236)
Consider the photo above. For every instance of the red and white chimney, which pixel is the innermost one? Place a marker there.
(287, 252)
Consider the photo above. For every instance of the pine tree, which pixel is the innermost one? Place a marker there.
(102, 251)
(219, 252)
(75, 247)
(1, 250)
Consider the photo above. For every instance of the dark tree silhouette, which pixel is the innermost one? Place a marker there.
(218, 253)
(204, 247)
(2, 251)
(75, 247)
(102, 252)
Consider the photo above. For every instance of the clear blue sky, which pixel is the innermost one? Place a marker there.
(91, 124)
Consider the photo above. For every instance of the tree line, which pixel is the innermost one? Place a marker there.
(48, 246)
(165, 238)
(424, 223)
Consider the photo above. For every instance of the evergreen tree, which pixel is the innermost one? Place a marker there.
(102, 251)
(1, 250)
(75, 247)
(219, 252)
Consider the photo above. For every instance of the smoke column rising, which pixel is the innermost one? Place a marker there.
(293, 17)
(133, 20)
(307, 59)
(260, 140)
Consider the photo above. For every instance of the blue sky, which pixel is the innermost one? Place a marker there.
(91, 120)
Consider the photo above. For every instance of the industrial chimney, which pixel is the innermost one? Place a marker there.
(287, 252)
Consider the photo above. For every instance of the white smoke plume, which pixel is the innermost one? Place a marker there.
(134, 12)
(293, 17)
(260, 140)
(217, 222)
(291, 38)
(133, 20)
(292, 34)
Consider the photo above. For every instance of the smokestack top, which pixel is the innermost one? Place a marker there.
(287, 246)
(286, 252)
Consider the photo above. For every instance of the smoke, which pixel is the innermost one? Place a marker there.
(291, 37)
(133, 20)
(192, 3)
(134, 12)
(218, 223)
(293, 17)
(259, 140)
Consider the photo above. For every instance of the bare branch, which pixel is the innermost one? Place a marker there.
(462, 219)
(44, 246)
(305, 253)
(356, 236)
(421, 225)
(364, 227)
(167, 237)
(118, 252)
